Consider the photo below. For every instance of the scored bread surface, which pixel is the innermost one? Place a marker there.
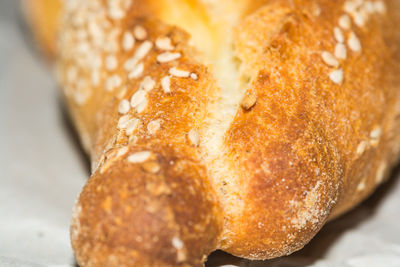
(234, 125)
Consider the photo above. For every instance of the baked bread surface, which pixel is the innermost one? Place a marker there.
(234, 125)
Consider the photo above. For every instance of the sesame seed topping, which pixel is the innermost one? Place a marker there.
(122, 92)
(164, 43)
(130, 64)
(375, 133)
(380, 173)
(128, 42)
(177, 243)
(72, 74)
(143, 50)
(151, 167)
(338, 35)
(380, 7)
(95, 77)
(138, 98)
(194, 137)
(166, 84)
(142, 106)
(140, 32)
(113, 82)
(147, 84)
(354, 43)
(194, 76)
(111, 63)
(359, 19)
(168, 56)
(139, 157)
(248, 101)
(131, 126)
(123, 122)
(340, 51)
(154, 126)
(137, 71)
(351, 6)
(361, 186)
(336, 76)
(329, 59)
(345, 22)
(124, 106)
(179, 73)
(361, 147)
(122, 151)
(114, 12)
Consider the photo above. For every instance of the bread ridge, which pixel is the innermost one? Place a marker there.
(304, 146)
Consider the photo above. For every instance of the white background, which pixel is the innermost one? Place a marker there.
(42, 169)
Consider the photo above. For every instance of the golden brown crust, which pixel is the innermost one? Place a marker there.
(314, 133)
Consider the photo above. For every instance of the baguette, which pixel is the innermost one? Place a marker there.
(236, 125)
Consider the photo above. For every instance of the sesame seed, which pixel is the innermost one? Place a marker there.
(114, 12)
(345, 22)
(142, 106)
(151, 167)
(354, 43)
(122, 92)
(164, 43)
(147, 84)
(338, 34)
(140, 32)
(131, 126)
(375, 133)
(124, 106)
(336, 76)
(177, 243)
(340, 51)
(380, 173)
(168, 56)
(95, 77)
(139, 157)
(123, 122)
(138, 97)
(248, 101)
(166, 84)
(153, 126)
(179, 73)
(111, 62)
(143, 50)
(359, 19)
(128, 42)
(194, 137)
(329, 59)
(130, 64)
(368, 7)
(81, 97)
(351, 6)
(361, 186)
(132, 139)
(112, 82)
(122, 151)
(380, 7)
(72, 74)
(361, 147)
(194, 76)
(137, 71)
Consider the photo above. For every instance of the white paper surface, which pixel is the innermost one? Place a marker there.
(43, 169)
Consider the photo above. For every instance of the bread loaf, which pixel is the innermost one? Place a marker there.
(236, 125)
